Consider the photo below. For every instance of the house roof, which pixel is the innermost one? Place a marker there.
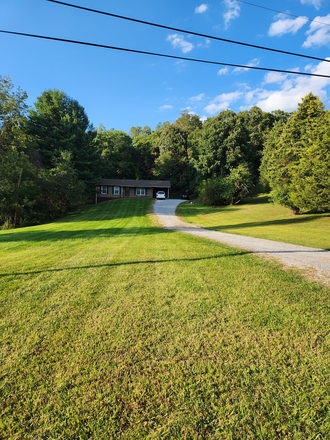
(136, 183)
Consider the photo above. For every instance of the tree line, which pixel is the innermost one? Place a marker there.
(51, 156)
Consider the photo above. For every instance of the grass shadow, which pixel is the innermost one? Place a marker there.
(237, 253)
(85, 234)
(281, 222)
(109, 210)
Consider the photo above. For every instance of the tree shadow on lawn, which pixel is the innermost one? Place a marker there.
(110, 210)
(255, 200)
(289, 221)
(237, 253)
(81, 234)
(228, 208)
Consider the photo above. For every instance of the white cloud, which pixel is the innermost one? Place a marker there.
(166, 107)
(199, 97)
(284, 91)
(203, 118)
(286, 26)
(316, 3)
(202, 8)
(252, 63)
(223, 71)
(274, 77)
(222, 102)
(206, 44)
(318, 33)
(292, 91)
(178, 41)
(232, 12)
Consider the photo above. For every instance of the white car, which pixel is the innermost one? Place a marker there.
(160, 195)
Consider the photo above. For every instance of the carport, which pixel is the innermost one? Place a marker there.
(156, 188)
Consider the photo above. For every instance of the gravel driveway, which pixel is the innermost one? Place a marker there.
(315, 262)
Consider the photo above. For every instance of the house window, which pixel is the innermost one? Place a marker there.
(140, 191)
(104, 190)
(116, 190)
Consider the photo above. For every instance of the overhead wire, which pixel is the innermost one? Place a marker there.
(163, 55)
(284, 13)
(212, 37)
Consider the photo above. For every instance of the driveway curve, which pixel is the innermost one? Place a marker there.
(316, 262)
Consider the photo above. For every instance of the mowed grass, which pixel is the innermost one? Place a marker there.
(113, 328)
(257, 217)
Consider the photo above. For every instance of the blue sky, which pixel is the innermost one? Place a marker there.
(121, 90)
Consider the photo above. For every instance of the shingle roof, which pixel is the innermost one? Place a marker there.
(136, 183)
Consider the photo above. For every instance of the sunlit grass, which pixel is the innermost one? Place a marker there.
(259, 218)
(113, 328)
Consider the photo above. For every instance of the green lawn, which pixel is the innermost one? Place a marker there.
(113, 328)
(259, 218)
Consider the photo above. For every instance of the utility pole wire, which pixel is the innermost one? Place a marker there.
(163, 55)
(284, 13)
(187, 32)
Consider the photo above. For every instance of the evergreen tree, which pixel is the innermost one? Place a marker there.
(58, 123)
(296, 160)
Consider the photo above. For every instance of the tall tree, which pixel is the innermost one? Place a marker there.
(188, 122)
(259, 125)
(174, 161)
(296, 160)
(19, 190)
(139, 131)
(118, 153)
(59, 123)
(13, 109)
(223, 144)
(60, 189)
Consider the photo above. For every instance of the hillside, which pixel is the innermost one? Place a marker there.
(257, 217)
(112, 327)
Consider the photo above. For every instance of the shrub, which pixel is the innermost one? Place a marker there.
(227, 190)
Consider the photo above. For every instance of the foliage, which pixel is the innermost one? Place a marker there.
(18, 186)
(59, 143)
(61, 190)
(259, 125)
(145, 156)
(188, 122)
(139, 131)
(296, 161)
(174, 161)
(13, 108)
(227, 190)
(223, 144)
(59, 123)
(118, 153)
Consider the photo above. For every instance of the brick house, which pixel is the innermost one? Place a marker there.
(108, 189)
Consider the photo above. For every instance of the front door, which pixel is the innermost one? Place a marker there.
(126, 192)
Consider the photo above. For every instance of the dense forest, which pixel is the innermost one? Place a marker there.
(51, 156)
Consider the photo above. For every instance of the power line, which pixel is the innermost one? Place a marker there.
(163, 55)
(284, 13)
(187, 32)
